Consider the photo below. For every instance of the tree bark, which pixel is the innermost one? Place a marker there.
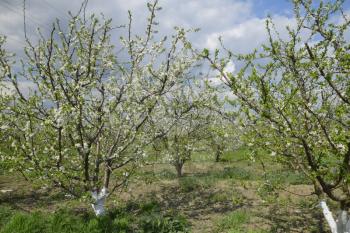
(107, 175)
(218, 154)
(178, 167)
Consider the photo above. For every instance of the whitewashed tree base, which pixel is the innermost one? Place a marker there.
(341, 224)
(100, 199)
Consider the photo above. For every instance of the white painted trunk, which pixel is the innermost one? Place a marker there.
(100, 199)
(341, 224)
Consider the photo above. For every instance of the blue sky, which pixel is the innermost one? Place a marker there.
(264, 7)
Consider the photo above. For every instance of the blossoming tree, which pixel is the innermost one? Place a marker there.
(185, 117)
(295, 98)
(222, 134)
(82, 126)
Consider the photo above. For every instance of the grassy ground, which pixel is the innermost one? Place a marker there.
(232, 196)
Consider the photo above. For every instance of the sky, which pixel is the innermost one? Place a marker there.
(239, 22)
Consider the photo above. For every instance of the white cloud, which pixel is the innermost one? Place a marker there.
(234, 20)
(248, 35)
(212, 16)
(215, 81)
(230, 67)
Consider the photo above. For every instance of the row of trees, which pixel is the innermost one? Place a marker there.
(91, 114)
(294, 97)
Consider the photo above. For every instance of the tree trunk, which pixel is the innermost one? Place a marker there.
(100, 199)
(218, 155)
(329, 217)
(100, 196)
(341, 224)
(107, 175)
(178, 167)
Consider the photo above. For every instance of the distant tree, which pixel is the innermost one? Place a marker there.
(221, 133)
(185, 116)
(295, 98)
(82, 126)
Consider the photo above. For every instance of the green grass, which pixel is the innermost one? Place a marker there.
(190, 183)
(220, 197)
(248, 231)
(228, 156)
(25, 223)
(133, 217)
(210, 177)
(207, 185)
(5, 215)
(236, 173)
(236, 155)
(235, 223)
(287, 177)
